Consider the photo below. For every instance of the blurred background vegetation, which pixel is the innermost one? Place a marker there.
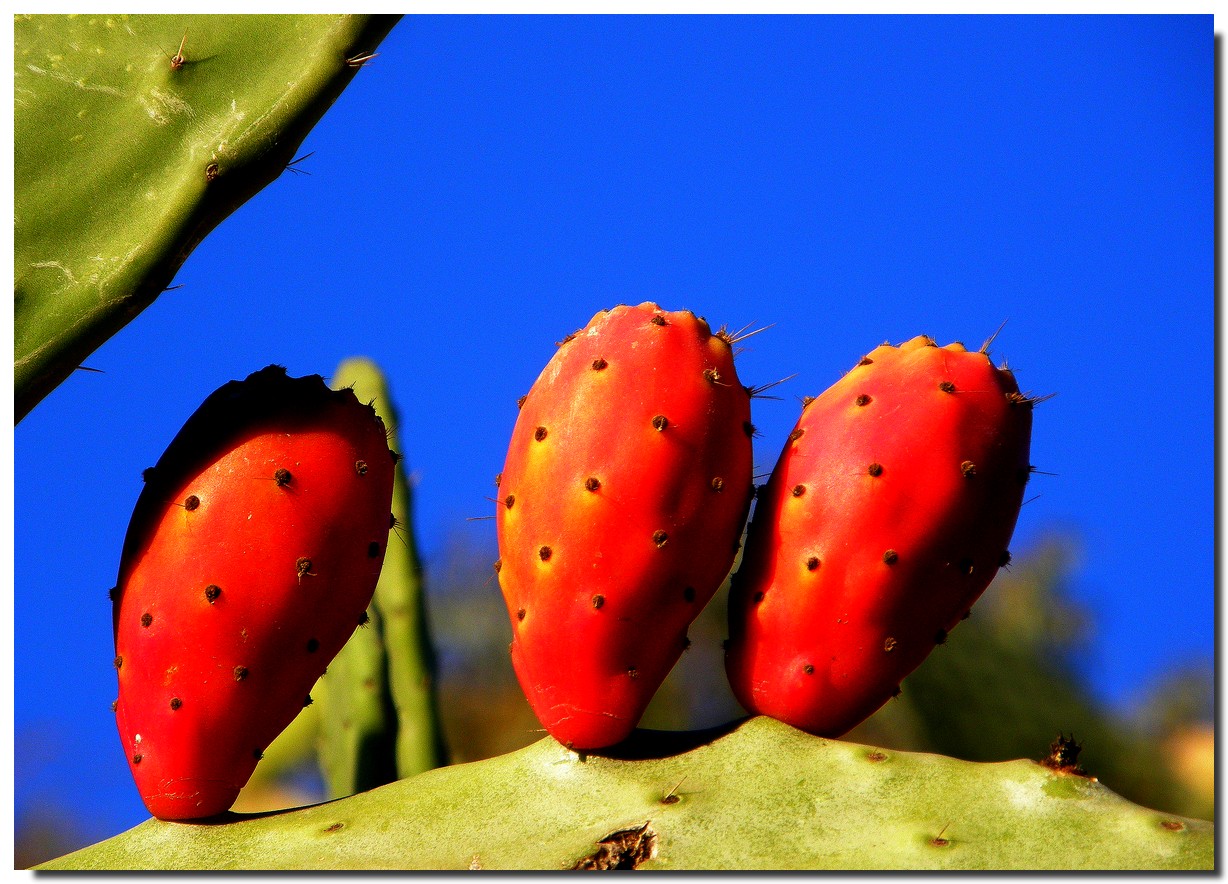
(1004, 686)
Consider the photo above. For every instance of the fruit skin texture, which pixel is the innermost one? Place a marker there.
(887, 515)
(251, 556)
(622, 501)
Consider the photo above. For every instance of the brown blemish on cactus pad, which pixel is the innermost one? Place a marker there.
(632, 672)
(498, 479)
(520, 614)
(808, 669)
(509, 501)
(625, 849)
(876, 756)
(118, 662)
(540, 433)
(592, 483)
(146, 619)
(211, 172)
(812, 563)
(599, 364)
(947, 387)
(212, 591)
(968, 469)
(865, 360)
(498, 566)
(240, 673)
(660, 422)
(335, 827)
(1063, 756)
(136, 759)
(798, 490)
(658, 319)
(598, 601)
(191, 503)
(889, 644)
(545, 553)
(796, 434)
(520, 402)
(282, 477)
(1172, 825)
(360, 467)
(660, 538)
(875, 469)
(175, 703)
(863, 399)
(303, 568)
(718, 484)
(890, 557)
(711, 375)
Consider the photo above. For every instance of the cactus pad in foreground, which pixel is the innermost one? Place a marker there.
(764, 796)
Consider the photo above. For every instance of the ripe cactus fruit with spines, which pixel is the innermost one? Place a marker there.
(228, 610)
(887, 515)
(625, 490)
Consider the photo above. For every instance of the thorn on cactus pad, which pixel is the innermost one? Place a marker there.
(1063, 756)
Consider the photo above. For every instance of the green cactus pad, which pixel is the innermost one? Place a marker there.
(125, 157)
(757, 796)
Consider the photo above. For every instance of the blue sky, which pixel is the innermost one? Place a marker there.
(488, 183)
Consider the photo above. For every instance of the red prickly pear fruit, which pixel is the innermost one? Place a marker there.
(624, 495)
(887, 515)
(252, 554)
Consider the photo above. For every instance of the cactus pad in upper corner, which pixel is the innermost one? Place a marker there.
(134, 136)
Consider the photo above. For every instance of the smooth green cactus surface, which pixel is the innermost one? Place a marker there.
(383, 681)
(134, 136)
(760, 795)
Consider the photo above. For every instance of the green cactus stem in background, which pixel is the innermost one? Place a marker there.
(134, 136)
(758, 796)
(392, 659)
